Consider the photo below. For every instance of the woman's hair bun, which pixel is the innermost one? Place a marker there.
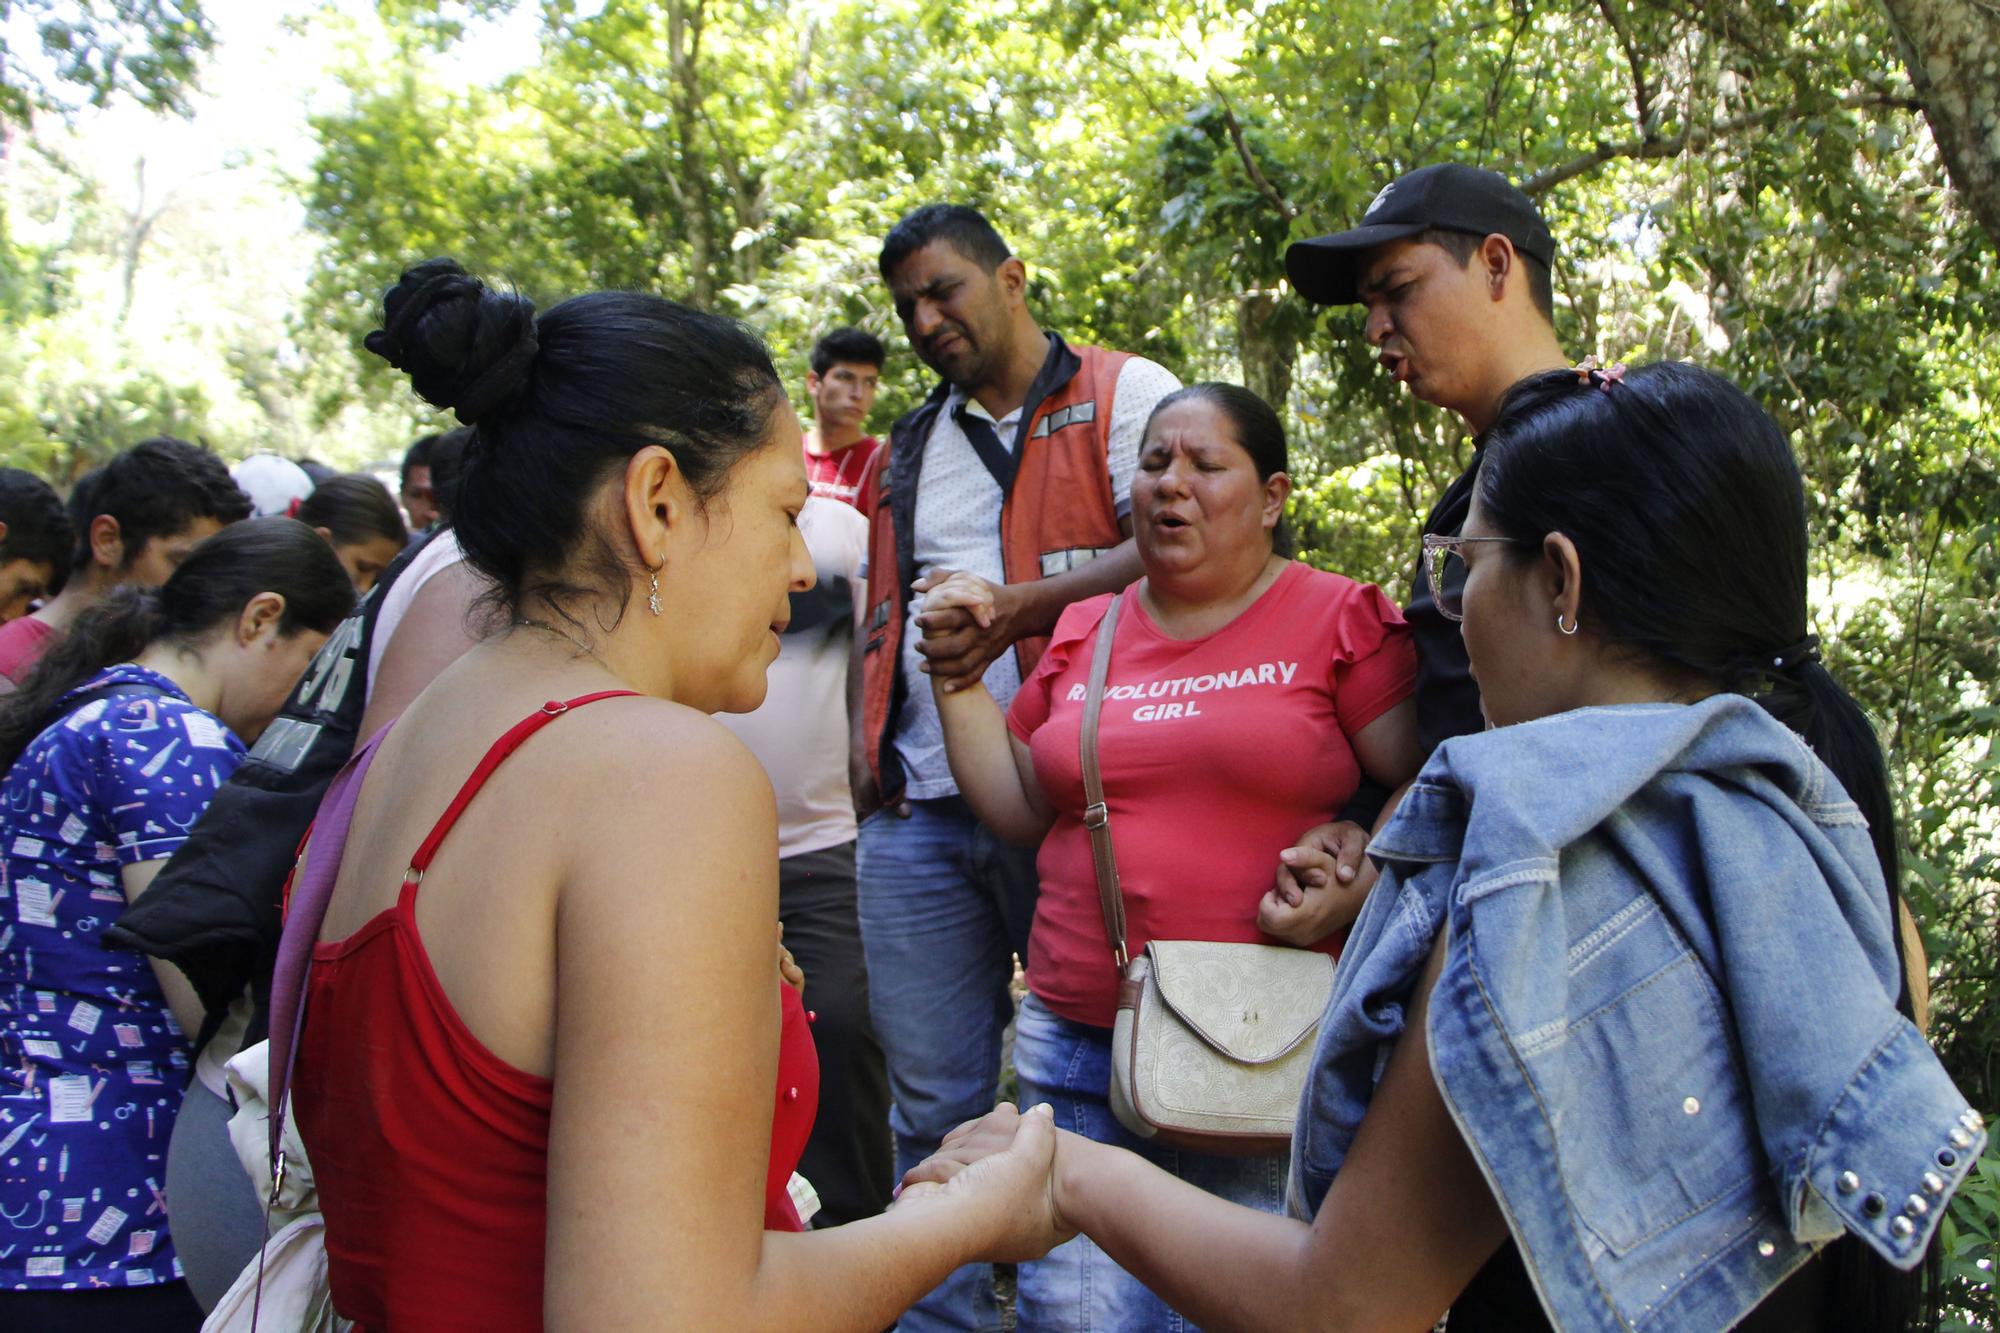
(463, 345)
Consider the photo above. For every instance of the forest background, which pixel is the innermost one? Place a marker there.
(203, 200)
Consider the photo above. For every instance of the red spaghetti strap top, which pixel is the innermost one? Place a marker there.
(430, 1152)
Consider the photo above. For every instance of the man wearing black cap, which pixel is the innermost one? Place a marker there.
(1452, 263)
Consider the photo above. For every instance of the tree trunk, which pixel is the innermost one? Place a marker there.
(132, 245)
(1952, 48)
(686, 174)
(1267, 354)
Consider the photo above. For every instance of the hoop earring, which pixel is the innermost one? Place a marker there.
(653, 593)
(1570, 628)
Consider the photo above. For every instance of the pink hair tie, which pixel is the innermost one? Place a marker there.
(1590, 371)
(292, 509)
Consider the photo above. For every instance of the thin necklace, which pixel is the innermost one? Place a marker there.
(524, 622)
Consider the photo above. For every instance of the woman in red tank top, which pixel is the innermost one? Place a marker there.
(548, 1074)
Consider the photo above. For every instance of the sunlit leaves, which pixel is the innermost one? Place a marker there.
(88, 51)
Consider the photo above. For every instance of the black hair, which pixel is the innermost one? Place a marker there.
(1686, 508)
(560, 402)
(38, 527)
(154, 489)
(854, 346)
(447, 463)
(965, 229)
(354, 508)
(1258, 431)
(81, 507)
(317, 470)
(418, 455)
(1463, 245)
(208, 590)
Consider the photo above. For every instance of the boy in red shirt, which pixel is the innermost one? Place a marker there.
(35, 540)
(841, 461)
(135, 519)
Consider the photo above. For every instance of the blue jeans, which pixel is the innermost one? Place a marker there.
(1077, 1288)
(944, 907)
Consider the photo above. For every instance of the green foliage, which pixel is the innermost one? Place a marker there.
(84, 53)
(89, 51)
(1969, 1237)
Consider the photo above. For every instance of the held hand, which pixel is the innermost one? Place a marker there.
(967, 622)
(1338, 849)
(1004, 1163)
(861, 782)
(867, 792)
(970, 1142)
(789, 970)
(948, 589)
(1320, 886)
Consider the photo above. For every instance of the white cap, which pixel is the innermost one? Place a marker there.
(272, 483)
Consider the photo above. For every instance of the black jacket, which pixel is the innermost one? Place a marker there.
(215, 908)
(1447, 696)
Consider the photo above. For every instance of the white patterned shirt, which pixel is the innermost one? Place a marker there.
(958, 527)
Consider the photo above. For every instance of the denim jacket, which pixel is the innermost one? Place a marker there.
(1666, 1019)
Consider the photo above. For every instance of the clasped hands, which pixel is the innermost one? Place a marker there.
(1321, 883)
(1006, 1163)
(789, 971)
(967, 621)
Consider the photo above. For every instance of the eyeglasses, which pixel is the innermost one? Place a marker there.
(1447, 579)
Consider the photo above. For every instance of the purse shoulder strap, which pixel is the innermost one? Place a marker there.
(306, 899)
(1096, 817)
(306, 896)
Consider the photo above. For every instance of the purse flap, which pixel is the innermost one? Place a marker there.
(1252, 1002)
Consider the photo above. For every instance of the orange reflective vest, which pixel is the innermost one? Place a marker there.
(1058, 513)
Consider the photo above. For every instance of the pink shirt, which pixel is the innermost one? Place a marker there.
(1217, 754)
(23, 640)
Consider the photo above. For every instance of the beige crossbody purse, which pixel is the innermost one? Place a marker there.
(1213, 1042)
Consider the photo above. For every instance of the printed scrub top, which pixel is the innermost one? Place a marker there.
(92, 1066)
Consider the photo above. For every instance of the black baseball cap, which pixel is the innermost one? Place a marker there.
(1450, 196)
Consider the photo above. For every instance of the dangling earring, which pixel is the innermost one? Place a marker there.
(653, 592)
(1570, 628)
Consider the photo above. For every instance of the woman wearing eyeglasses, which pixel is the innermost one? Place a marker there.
(1621, 1039)
(1246, 696)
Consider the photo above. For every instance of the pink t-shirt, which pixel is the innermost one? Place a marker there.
(1217, 753)
(22, 642)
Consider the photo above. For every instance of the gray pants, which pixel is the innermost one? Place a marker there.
(217, 1219)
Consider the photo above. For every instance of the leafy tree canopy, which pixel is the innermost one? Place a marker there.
(88, 51)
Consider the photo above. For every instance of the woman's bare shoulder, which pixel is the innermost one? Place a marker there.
(658, 739)
(694, 782)
(673, 818)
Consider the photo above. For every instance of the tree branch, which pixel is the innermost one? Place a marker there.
(1257, 177)
(1642, 95)
(1114, 57)
(1429, 54)
(1647, 149)
(1503, 74)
